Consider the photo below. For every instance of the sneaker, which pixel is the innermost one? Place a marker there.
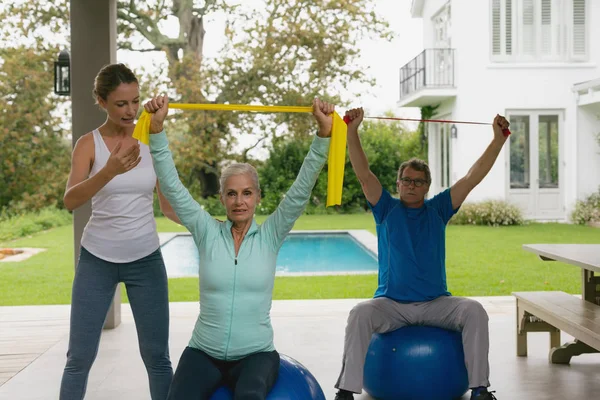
(483, 394)
(344, 395)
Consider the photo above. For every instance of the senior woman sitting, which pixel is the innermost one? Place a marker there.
(232, 342)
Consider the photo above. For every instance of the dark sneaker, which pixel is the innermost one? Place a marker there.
(483, 394)
(344, 395)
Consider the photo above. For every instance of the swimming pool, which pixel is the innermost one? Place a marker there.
(314, 253)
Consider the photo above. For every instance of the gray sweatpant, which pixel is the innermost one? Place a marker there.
(382, 315)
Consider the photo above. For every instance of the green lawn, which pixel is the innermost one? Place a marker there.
(481, 261)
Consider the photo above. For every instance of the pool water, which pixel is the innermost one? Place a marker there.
(301, 253)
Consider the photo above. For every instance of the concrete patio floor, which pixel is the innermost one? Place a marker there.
(33, 344)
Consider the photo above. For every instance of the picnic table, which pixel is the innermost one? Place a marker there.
(558, 311)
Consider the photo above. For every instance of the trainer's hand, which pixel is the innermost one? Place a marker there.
(121, 161)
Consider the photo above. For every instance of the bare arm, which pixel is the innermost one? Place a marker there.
(80, 188)
(368, 181)
(461, 189)
(165, 206)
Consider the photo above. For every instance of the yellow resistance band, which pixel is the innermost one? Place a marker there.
(337, 147)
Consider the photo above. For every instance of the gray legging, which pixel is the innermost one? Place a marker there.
(93, 290)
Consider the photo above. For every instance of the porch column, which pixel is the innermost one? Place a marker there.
(93, 45)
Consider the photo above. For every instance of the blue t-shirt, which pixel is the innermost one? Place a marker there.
(412, 247)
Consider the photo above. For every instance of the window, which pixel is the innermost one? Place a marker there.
(441, 28)
(539, 30)
(534, 142)
(548, 151)
(519, 152)
(443, 56)
(444, 153)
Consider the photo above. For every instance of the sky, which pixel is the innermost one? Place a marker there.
(381, 59)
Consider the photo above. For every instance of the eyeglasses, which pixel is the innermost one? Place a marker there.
(417, 182)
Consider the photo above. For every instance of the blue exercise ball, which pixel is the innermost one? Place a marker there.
(416, 363)
(294, 382)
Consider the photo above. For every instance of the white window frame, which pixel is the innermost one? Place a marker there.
(443, 155)
(586, 33)
(562, 32)
(534, 191)
(443, 19)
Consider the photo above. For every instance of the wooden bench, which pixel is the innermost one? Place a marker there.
(554, 312)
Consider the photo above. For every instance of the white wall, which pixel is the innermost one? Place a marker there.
(588, 152)
(486, 88)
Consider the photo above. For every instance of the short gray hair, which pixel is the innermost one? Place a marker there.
(238, 169)
(418, 165)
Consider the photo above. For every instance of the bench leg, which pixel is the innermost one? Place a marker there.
(562, 354)
(554, 339)
(591, 286)
(527, 322)
(521, 332)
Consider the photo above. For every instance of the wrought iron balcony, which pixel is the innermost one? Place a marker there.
(432, 68)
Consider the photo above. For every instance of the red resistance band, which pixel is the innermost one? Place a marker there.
(506, 132)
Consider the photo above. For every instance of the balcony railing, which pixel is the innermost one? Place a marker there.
(431, 68)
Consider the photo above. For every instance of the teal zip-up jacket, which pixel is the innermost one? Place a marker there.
(236, 293)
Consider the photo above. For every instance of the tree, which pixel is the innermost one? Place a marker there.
(427, 112)
(386, 144)
(34, 156)
(283, 54)
(291, 52)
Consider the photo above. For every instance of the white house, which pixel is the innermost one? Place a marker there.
(535, 61)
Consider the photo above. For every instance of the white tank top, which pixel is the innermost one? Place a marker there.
(122, 226)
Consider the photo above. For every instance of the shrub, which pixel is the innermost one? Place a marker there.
(490, 212)
(16, 226)
(386, 145)
(212, 205)
(587, 210)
